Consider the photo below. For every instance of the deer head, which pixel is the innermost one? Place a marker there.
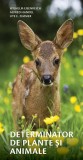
(47, 54)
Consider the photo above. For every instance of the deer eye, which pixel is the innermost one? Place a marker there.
(56, 61)
(37, 62)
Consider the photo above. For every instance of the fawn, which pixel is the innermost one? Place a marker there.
(36, 87)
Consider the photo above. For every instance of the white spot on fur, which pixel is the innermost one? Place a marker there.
(26, 92)
(49, 85)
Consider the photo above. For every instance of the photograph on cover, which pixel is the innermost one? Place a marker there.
(41, 79)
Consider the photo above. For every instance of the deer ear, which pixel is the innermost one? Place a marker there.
(64, 35)
(27, 36)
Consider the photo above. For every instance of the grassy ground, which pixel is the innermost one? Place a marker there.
(71, 102)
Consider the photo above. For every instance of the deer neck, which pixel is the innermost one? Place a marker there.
(49, 92)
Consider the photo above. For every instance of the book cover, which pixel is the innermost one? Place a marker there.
(41, 79)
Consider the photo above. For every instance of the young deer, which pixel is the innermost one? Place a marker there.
(36, 88)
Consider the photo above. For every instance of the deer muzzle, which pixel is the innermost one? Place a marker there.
(47, 79)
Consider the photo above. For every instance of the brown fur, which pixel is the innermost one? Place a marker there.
(30, 97)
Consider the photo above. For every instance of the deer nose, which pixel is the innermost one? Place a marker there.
(47, 79)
